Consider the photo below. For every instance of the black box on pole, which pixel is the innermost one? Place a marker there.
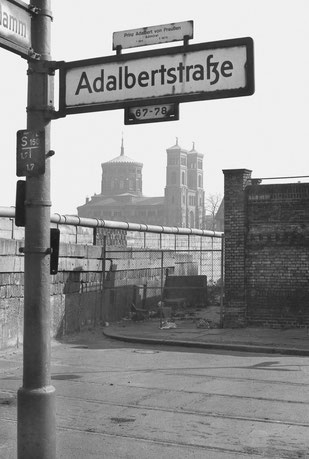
(54, 245)
(20, 210)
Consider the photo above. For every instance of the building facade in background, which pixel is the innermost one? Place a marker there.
(122, 199)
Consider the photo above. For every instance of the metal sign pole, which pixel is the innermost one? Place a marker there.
(36, 421)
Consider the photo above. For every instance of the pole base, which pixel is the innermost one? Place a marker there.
(36, 423)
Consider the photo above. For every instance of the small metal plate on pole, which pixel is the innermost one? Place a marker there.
(151, 113)
(30, 153)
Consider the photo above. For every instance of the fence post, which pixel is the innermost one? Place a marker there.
(162, 271)
(222, 283)
(103, 278)
(212, 258)
(201, 257)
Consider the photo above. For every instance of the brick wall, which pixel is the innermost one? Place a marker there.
(235, 181)
(277, 254)
(266, 252)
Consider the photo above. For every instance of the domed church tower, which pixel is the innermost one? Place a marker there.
(121, 175)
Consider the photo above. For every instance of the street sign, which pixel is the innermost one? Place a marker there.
(15, 27)
(30, 153)
(151, 113)
(153, 35)
(172, 75)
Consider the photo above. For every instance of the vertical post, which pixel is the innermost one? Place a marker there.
(161, 302)
(94, 236)
(201, 256)
(103, 279)
(36, 419)
(212, 259)
(222, 284)
(235, 308)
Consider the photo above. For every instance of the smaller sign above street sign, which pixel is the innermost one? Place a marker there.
(151, 113)
(30, 153)
(153, 35)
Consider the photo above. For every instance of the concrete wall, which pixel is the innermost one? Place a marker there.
(267, 252)
(83, 294)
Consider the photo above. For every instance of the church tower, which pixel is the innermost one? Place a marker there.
(176, 186)
(196, 195)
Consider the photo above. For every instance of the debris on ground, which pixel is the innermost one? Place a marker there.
(168, 325)
(203, 323)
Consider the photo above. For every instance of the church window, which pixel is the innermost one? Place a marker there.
(200, 164)
(200, 181)
(183, 161)
(183, 179)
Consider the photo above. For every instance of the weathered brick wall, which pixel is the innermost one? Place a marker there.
(266, 252)
(235, 181)
(277, 254)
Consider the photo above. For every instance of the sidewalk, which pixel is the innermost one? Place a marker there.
(186, 333)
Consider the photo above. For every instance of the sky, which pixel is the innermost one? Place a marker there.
(266, 132)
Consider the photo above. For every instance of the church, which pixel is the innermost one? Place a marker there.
(122, 199)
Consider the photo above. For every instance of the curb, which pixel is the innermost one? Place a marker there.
(215, 346)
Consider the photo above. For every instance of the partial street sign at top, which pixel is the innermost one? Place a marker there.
(15, 27)
(153, 35)
(172, 75)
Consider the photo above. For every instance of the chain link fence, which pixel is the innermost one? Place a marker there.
(180, 272)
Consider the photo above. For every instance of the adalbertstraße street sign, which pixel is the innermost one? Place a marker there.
(177, 74)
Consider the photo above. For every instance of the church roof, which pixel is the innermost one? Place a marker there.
(116, 201)
(194, 151)
(122, 158)
(176, 146)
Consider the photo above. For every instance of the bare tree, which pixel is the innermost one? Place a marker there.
(212, 204)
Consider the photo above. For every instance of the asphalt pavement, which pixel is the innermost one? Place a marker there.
(163, 394)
